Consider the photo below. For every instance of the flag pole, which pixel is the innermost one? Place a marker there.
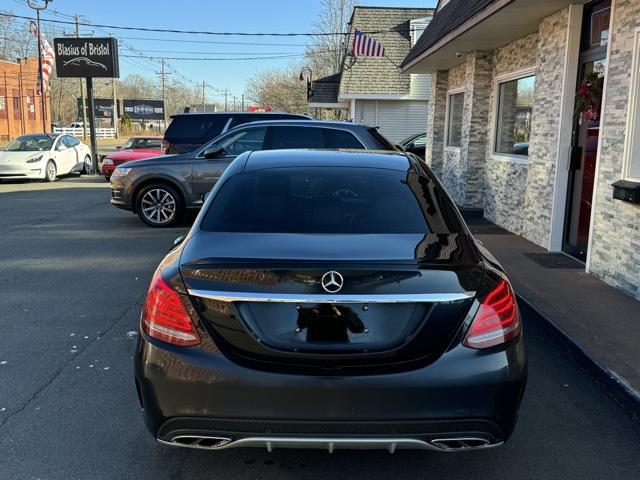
(44, 121)
(34, 5)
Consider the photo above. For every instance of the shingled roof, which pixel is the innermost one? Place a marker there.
(380, 75)
(447, 18)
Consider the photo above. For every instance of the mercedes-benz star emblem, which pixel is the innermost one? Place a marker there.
(332, 282)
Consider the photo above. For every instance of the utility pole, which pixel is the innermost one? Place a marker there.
(162, 74)
(84, 100)
(204, 105)
(114, 112)
(242, 109)
(226, 93)
(234, 103)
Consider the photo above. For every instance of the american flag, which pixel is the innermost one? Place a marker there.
(364, 46)
(47, 54)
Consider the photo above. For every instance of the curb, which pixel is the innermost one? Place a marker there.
(615, 386)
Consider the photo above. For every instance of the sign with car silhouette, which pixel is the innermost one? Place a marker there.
(86, 57)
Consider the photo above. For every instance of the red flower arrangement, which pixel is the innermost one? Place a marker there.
(589, 96)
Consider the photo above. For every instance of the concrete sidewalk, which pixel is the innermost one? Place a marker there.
(595, 319)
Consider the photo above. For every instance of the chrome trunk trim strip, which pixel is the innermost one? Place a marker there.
(331, 298)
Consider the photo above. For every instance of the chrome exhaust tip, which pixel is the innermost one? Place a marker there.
(462, 443)
(198, 441)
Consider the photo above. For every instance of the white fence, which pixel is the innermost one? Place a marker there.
(78, 132)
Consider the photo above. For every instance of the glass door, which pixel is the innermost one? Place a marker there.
(586, 131)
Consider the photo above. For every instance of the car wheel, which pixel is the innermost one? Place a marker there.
(88, 166)
(51, 172)
(159, 205)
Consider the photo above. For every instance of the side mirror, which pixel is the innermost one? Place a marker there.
(118, 147)
(213, 151)
(178, 240)
(205, 195)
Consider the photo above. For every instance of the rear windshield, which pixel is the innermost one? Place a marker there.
(383, 143)
(195, 128)
(324, 200)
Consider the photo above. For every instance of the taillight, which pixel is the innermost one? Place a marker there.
(165, 147)
(496, 321)
(165, 317)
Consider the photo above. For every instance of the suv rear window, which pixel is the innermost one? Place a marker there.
(319, 200)
(195, 128)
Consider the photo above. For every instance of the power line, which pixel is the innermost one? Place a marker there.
(198, 32)
(220, 59)
(216, 42)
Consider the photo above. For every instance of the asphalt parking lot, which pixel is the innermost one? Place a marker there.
(73, 274)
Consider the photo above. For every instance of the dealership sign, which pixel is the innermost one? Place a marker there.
(86, 57)
(103, 107)
(143, 109)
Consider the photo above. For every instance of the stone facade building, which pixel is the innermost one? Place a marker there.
(534, 118)
(20, 104)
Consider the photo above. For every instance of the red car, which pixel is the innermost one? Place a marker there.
(136, 148)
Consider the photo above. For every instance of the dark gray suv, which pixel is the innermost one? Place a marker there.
(160, 189)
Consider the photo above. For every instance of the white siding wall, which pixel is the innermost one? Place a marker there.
(397, 119)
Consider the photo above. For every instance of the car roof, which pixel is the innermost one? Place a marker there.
(382, 159)
(236, 114)
(307, 123)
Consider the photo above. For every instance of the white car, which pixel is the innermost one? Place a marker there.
(44, 156)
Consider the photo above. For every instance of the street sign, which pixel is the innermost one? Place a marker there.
(144, 109)
(86, 57)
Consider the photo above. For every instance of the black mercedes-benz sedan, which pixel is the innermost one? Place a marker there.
(330, 299)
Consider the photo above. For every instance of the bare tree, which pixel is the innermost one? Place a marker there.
(279, 89)
(324, 57)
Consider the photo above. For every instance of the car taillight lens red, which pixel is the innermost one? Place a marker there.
(165, 317)
(496, 321)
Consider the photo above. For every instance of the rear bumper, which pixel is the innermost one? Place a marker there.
(187, 392)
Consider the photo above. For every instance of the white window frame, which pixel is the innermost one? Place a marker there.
(497, 82)
(450, 93)
(632, 130)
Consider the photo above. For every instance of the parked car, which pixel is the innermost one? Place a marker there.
(44, 156)
(415, 144)
(136, 148)
(188, 131)
(331, 300)
(161, 188)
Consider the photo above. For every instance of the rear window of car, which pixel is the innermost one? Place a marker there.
(340, 200)
(383, 143)
(195, 128)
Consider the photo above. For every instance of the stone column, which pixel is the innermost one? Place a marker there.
(475, 121)
(435, 120)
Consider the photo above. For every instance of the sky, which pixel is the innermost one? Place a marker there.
(212, 15)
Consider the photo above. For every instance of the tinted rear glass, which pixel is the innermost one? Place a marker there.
(195, 128)
(324, 200)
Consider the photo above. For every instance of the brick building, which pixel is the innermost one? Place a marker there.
(20, 103)
(534, 115)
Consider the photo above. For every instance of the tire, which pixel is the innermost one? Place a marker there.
(50, 172)
(87, 169)
(159, 205)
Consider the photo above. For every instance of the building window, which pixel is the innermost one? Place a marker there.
(455, 105)
(515, 105)
(31, 106)
(632, 147)
(600, 28)
(17, 113)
